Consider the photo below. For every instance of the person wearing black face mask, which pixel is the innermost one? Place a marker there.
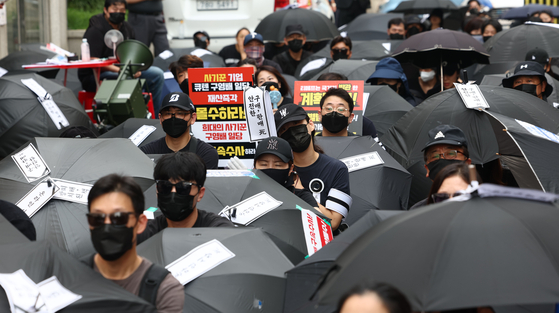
(389, 72)
(201, 39)
(176, 117)
(180, 68)
(116, 219)
(340, 48)
(447, 145)
(413, 25)
(295, 39)
(274, 157)
(327, 178)
(396, 29)
(529, 76)
(336, 113)
(180, 179)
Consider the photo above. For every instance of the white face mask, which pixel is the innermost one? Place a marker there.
(427, 76)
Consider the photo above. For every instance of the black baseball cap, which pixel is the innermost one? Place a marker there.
(179, 100)
(203, 32)
(528, 68)
(276, 146)
(537, 55)
(288, 113)
(294, 29)
(446, 134)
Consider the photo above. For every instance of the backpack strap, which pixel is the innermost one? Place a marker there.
(151, 282)
(193, 144)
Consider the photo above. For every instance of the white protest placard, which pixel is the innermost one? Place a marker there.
(471, 96)
(72, 191)
(249, 210)
(313, 65)
(361, 161)
(56, 296)
(37, 197)
(166, 54)
(199, 261)
(538, 131)
(142, 133)
(31, 163)
(229, 173)
(22, 292)
(258, 112)
(48, 104)
(317, 232)
(3, 71)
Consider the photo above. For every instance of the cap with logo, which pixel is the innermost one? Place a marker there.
(537, 55)
(289, 113)
(276, 146)
(446, 134)
(528, 68)
(294, 29)
(253, 36)
(179, 100)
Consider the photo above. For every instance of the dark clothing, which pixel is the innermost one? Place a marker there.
(419, 204)
(146, 7)
(150, 28)
(286, 100)
(271, 50)
(205, 219)
(306, 196)
(19, 219)
(287, 63)
(350, 9)
(206, 152)
(272, 64)
(420, 96)
(230, 55)
(369, 128)
(95, 34)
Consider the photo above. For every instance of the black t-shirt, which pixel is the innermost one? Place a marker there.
(203, 150)
(230, 55)
(334, 175)
(271, 50)
(205, 219)
(420, 95)
(287, 63)
(146, 7)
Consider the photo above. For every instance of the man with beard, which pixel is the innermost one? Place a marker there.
(389, 72)
(180, 179)
(295, 39)
(177, 116)
(116, 218)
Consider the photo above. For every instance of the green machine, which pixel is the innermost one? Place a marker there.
(117, 100)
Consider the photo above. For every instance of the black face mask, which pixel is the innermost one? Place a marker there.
(528, 88)
(334, 122)
(112, 241)
(485, 38)
(116, 18)
(295, 45)
(298, 137)
(200, 43)
(175, 127)
(174, 206)
(340, 55)
(184, 86)
(436, 166)
(281, 176)
(393, 87)
(412, 31)
(396, 36)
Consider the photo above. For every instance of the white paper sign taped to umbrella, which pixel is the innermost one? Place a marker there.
(538, 131)
(56, 296)
(72, 191)
(199, 261)
(249, 210)
(361, 161)
(37, 197)
(471, 96)
(31, 163)
(229, 173)
(142, 133)
(48, 104)
(317, 232)
(258, 112)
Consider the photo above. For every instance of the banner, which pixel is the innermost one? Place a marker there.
(309, 93)
(317, 232)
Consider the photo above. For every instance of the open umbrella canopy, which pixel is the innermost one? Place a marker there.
(22, 116)
(9, 234)
(424, 6)
(352, 69)
(252, 281)
(317, 26)
(526, 11)
(131, 125)
(41, 260)
(459, 254)
(513, 44)
(13, 62)
(369, 26)
(210, 59)
(384, 107)
(429, 49)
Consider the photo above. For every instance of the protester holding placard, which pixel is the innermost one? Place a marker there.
(177, 116)
(324, 176)
(115, 220)
(180, 181)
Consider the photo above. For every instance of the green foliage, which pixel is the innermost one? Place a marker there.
(86, 5)
(79, 19)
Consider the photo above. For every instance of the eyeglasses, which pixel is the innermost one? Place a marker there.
(180, 114)
(343, 50)
(447, 155)
(165, 187)
(440, 197)
(116, 218)
(330, 109)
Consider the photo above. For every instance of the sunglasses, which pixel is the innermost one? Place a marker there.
(440, 197)
(344, 50)
(166, 187)
(116, 218)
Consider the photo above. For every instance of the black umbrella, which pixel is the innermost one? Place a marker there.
(252, 281)
(131, 125)
(303, 279)
(369, 26)
(424, 6)
(384, 107)
(362, 50)
(316, 25)
(22, 117)
(352, 69)
(79, 160)
(513, 44)
(385, 186)
(9, 234)
(13, 62)
(210, 59)
(408, 136)
(479, 71)
(459, 254)
(41, 260)
(526, 11)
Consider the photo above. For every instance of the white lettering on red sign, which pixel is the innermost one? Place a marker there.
(317, 232)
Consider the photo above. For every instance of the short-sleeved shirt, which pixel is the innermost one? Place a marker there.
(289, 64)
(170, 295)
(206, 152)
(205, 219)
(334, 175)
